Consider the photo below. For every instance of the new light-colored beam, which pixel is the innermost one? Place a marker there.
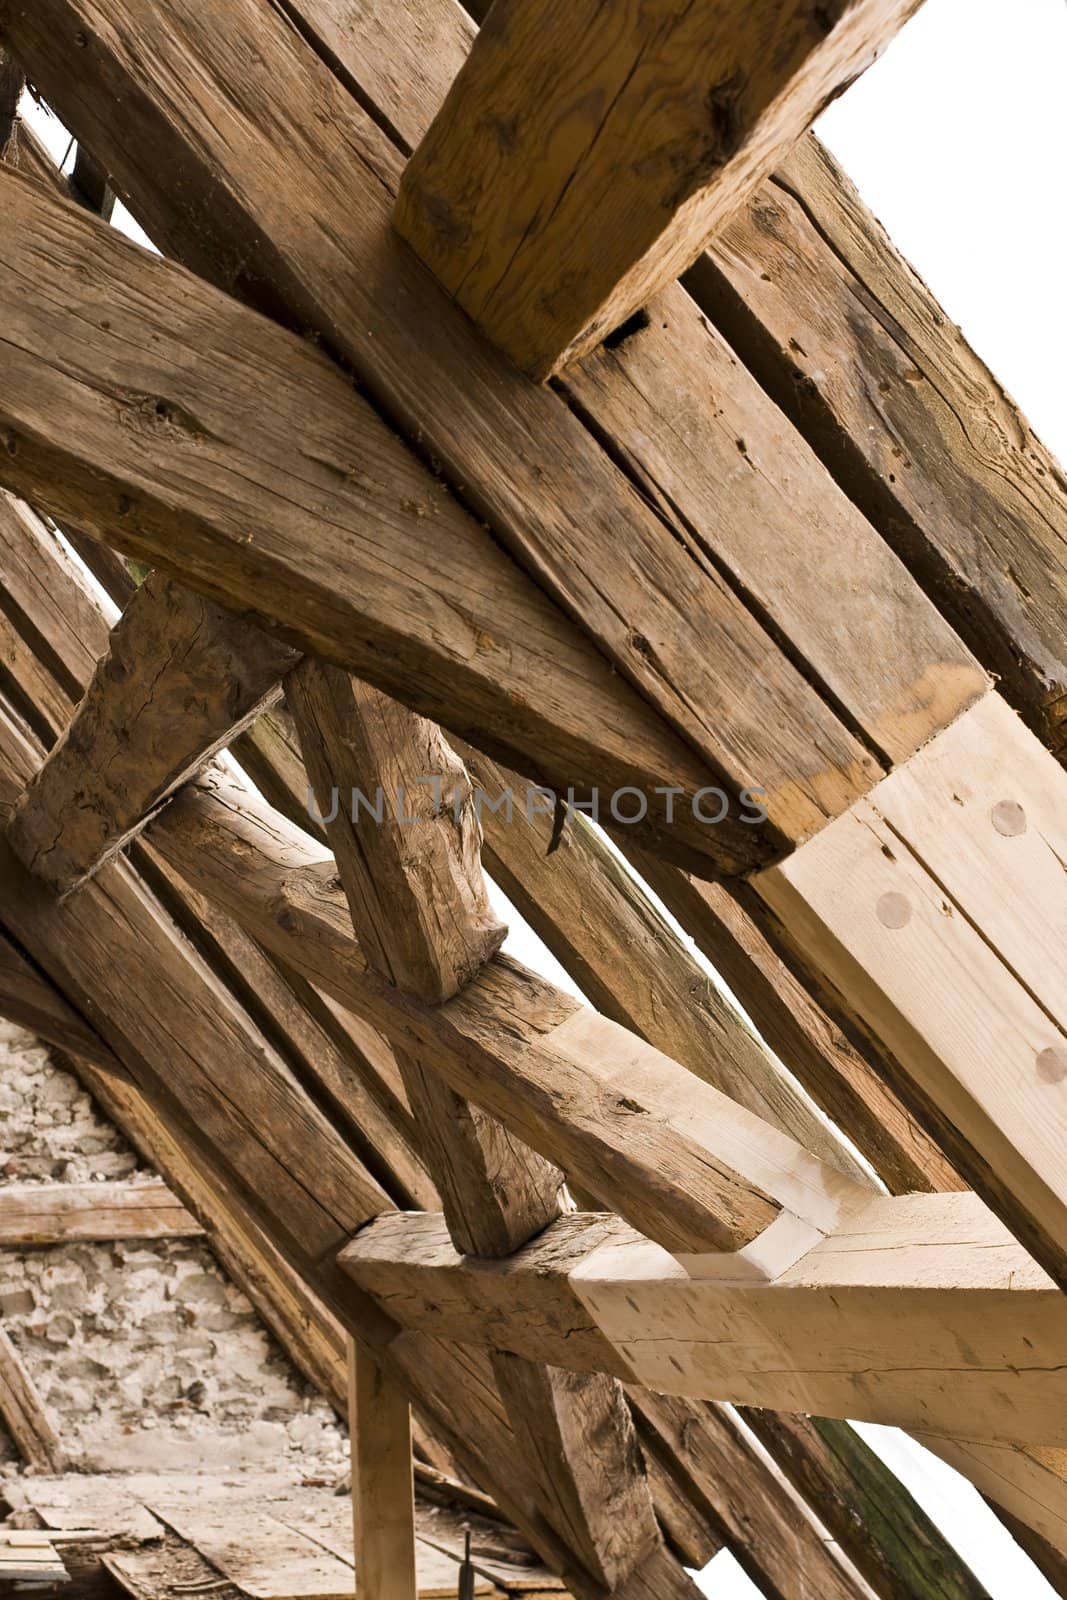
(586, 152)
(937, 911)
(923, 1313)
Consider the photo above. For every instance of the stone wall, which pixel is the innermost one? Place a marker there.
(145, 1354)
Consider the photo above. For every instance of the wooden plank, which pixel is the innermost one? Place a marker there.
(543, 482)
(23, 1413)
(912, 909)
(57, 1213)
(12, 83)
(45, 598)
(181, 677)
(28, 998)
(645, 1135)
(581, 159)
(383, 1497)
(923, 1313)
(850, 342)
(771, 1533)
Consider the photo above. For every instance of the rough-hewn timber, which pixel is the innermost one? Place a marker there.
(585, 153)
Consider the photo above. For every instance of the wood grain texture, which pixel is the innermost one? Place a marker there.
(937, 912)
(923, 1312)
(853, 346)
(576, 1087)
(734, 480)
(30, 999)
(605, 931)
(880, 1526)
(180, 679)
(23, 1414)
(188, 479)
(770, 1532)
(412, 877)
(840, 1077)
(57, 1213)
(584, 154)
(525, 463)
(383, 1490)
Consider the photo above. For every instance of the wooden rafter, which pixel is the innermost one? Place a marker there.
(585, 153)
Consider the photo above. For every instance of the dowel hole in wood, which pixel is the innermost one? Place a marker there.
(1009, 818)
(893, 910)
(1052, 1065)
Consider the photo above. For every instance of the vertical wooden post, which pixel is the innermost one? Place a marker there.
(383, 1485)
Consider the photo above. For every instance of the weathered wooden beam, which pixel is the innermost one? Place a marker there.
(852, 345)
(23, 1413)
(583, 156)
(937, 911)
(383, 1488)
(30, 999)
(181, 677)
(683, 1162)
(880, 1526)
(412, 876)
(187, 479)
(924, 1312)
(421, 911)
(57, 1213)
(12, 83)
(542, 479)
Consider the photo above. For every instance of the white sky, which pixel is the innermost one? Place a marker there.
(956, 139)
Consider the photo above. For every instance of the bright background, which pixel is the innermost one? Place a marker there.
(956, 138)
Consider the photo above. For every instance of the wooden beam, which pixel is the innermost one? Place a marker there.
(23, 1413)
(841, 1078)
(541, 478)
(57, 1213)
(938, 912)
(181, 677)
(412, 878)
(922, 1313)
(417, 899)
(346, 600)
(684, 1162)
(633, 968)
(583, 156)
(383, 1489)
(28, 998)
(850, 342)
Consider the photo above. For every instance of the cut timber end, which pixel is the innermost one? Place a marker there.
(581, 159)
(902, 905)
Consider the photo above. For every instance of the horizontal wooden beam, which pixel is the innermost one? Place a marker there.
(923, 1313)
(675, 1156)
(584, 154)
(851, 344)
(181, 677)
(58, 1213)
(937, 911)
